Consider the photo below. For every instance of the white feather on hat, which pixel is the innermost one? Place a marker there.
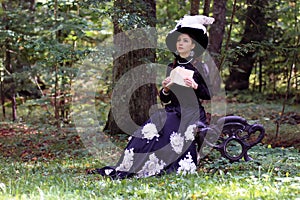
(195, 21)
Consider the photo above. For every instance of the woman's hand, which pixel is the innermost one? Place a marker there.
(190, 82)
(165, 83)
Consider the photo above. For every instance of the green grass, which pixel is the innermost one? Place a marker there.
(39, 162)
(275, 174)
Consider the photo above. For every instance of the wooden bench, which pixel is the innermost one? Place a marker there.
(232, 136)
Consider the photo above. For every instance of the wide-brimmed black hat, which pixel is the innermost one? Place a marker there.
(194, 27)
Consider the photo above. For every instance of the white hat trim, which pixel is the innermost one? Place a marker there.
(196, 21)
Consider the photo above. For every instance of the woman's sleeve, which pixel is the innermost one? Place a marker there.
(166, 97)
(202, 91)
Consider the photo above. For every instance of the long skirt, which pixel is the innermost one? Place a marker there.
(164, 144)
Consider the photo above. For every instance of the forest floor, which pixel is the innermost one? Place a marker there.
(40, 161)
(281, 130)
(34, 139)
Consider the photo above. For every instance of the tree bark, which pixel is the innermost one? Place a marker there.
(217, 30)
(195, 5)
(8, 66)
(255, 30)
(145, 96)
(2, 94)
(206, 7)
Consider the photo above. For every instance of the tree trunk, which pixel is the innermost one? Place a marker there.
(260, 76)
(8, 66)
(195, 5)
(206, 7)
(255, 30)
(2, 94)
(144, 97)
(2, 77)
(217, 30)
(12, 62)
(56, 86)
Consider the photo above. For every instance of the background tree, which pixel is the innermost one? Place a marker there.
(40, 53)
(195, 5)
(37, 40)
(140, 16)
(206, 7)
(217, 30)
(255, 30)
(14, 55)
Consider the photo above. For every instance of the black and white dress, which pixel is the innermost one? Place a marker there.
(166, 143)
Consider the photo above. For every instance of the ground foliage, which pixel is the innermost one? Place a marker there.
(38, 161)
(269, 114)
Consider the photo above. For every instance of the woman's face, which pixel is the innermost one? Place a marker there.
(184, 45)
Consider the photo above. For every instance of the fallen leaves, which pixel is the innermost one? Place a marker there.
(20, 141)
(292, 118)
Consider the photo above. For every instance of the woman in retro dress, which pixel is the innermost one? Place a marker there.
(166, 143)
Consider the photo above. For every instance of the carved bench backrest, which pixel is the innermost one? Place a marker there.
(231, 130)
